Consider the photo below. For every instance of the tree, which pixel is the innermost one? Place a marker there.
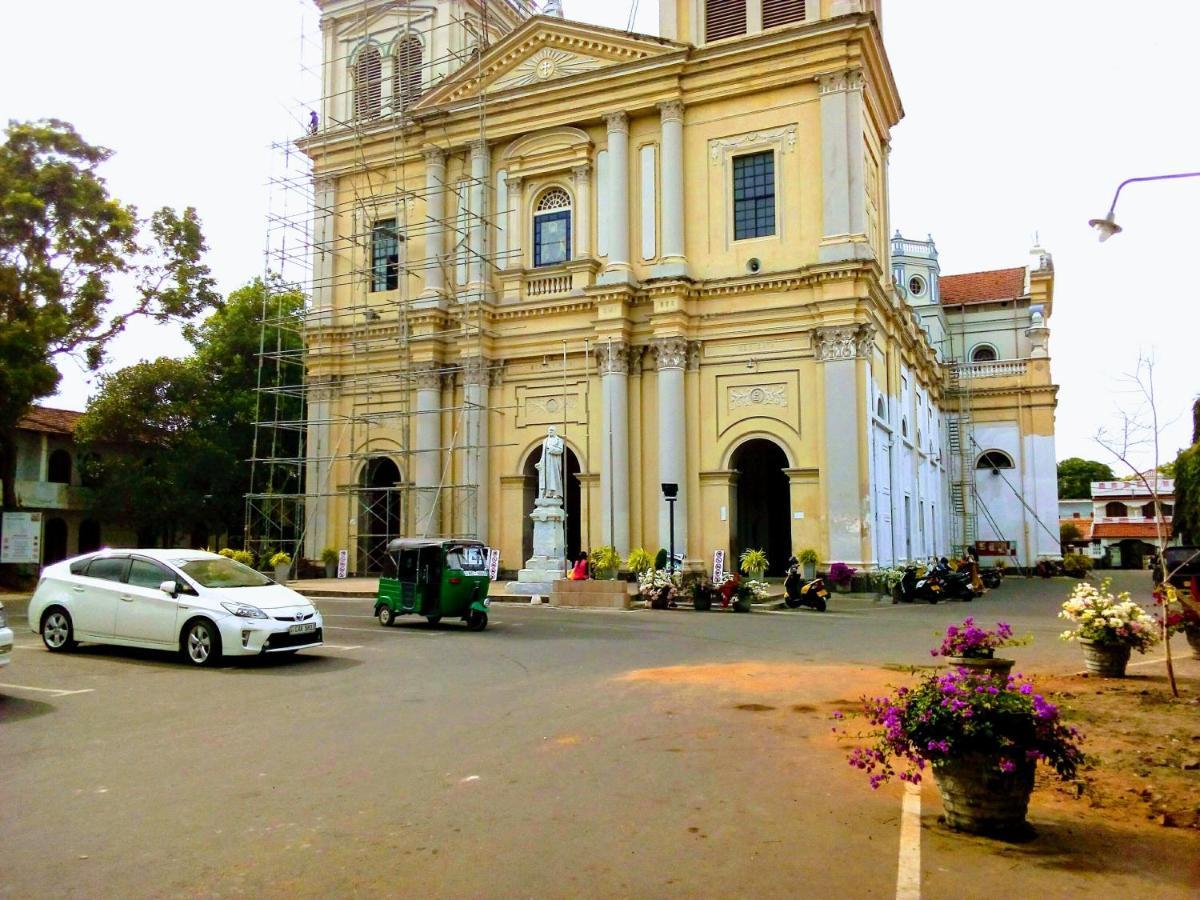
(1069, 533)
(1187, 487)
(63, 241)
(1075, 477)
(174, 436)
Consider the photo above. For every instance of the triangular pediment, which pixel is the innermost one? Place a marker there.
(545, 49)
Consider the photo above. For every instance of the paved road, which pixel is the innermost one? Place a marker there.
(539, 758)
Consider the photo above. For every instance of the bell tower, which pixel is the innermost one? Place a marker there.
(702, 22)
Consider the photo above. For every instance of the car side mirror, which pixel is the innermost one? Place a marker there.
(169, 587)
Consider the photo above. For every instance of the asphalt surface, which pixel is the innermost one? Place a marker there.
(536, 759)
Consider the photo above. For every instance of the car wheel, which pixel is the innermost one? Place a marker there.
(202, 643)
(387, 618)
(58, 633)
(433, 620)
(476, 621)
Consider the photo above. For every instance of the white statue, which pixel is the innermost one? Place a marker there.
(553, 8)
(550, 467)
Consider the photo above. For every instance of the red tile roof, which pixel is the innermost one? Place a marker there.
(44, 420)
(1142, 530)
(981, 287)
(1084, 526)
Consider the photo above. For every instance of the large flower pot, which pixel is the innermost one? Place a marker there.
(331, 569)
(1192, 632)
(810, 571)
(981, 799)
(702, 602)
(743, 605)
(1105, 660)
(996, 667)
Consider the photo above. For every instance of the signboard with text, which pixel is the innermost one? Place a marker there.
(493, 563)
(718, 574)
(995, 548)
(343, 563)
(21, 538)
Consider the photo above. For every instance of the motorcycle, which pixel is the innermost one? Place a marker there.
(797, 592)
(911, 588)
(956, 585)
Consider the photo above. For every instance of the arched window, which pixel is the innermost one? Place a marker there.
(406, 74)
(1148, 511)
(994, 460)
(552, 228)
(59, 468)
(904, 427)
(1116, 510)
(368, 84)
(881, 410)
(984, 353)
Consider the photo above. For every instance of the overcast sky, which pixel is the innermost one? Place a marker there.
(1021, 118)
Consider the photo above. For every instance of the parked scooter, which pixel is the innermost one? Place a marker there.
(797, 592)
(956, 585)
(912, 588)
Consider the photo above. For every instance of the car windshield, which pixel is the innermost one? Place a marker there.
(221, 573)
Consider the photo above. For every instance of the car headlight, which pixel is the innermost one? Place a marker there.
(244, 610)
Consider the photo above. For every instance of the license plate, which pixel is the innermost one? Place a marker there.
(306, 628)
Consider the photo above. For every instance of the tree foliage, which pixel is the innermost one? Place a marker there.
(1069, 533)
(1187, 487)
(1075, 477)
(63, 241)
(183, 430)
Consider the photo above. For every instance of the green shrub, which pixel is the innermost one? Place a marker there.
(281, 559)
(808, 557)
(660, 560)
(329, 555)
(1077, 565)
(639, 561)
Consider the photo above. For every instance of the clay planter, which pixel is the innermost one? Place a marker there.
(1192, 632)
(999, 669)
(979, 798)
(1105, 660)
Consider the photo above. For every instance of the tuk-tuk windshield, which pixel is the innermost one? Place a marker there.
(466, 559)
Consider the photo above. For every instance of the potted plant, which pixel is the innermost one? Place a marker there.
(606, 561)
(1107, 627)
(329, 557)
(891, 579)
(639, 561)
(971, 647)
(808, 560)
(982, 740)
(1077, 565)
(702, 594)
(1180, 615)
(282, 563)
(743, 597)
(841, 576)
(753, 564)
(660, 588)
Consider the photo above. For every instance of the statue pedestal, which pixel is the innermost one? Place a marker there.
(549, 561)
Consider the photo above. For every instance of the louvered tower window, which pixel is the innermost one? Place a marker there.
(406, 77)
(724, 18)
(368, 84)
(782, 12)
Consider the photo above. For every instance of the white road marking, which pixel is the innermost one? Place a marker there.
(342, 647)
(346, 616)
(382, 630)
(908, 875)
(55, 691)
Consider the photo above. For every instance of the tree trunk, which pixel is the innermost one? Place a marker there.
(8, 468)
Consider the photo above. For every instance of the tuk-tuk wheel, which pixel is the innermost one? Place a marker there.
(387, 617)
(476, 621)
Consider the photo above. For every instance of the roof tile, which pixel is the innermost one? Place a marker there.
(45, 420)
(982, 287)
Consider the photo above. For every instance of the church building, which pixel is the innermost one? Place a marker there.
(675, 250)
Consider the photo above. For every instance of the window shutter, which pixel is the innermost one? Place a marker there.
(782, 12)
(406, 87)
(724, 18)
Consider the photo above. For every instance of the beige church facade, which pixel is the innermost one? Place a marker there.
(673, 249)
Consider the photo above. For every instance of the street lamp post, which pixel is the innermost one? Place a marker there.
(1107, 227)
(671, 493)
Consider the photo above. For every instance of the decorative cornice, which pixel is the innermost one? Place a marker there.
(841, 82)
(617, 122)
(476, 371)
(671, 110)
(787, 135)
(427, 376)
(581, 174)
(843, 342)
(612, 358)
(670, 353)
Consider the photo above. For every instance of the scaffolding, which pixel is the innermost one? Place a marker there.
(341, 373)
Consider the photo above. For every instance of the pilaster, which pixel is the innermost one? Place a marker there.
(674, 252)
(613, 361)
(844, 180)
(671, 355)
(619, 270)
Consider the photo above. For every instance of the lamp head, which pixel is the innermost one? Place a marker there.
(670, 491)
(1106, 227)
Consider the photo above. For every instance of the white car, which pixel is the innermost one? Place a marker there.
(6, 639)
(203, 605)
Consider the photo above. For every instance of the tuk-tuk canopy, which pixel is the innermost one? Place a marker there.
(401, 544)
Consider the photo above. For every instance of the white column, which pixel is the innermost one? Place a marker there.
(426, 446)
(582, 177)
(671, 355)
(476, 378)
(324, 237)
(480, 274)
(843, 180)
(674, 250)
(616, 199)
(516, 224)
(840, 351)
(316, 477)
(613, 359)
(501, 219)
(435, 222)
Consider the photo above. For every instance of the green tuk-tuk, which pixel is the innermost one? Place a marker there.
(435, 578)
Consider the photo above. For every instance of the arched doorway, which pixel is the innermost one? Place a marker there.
(764, 505)
(379, 514)
(1134, 553)
(574, 498)
(89, 536)
(54, 542)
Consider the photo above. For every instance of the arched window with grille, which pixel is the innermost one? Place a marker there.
(368, 83)
(994, 460)
(984, 353)
(406, 74)
(724, 19)
(552, 228)
(1116, 510)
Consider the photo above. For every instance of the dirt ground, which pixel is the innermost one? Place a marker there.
(1142, 744)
